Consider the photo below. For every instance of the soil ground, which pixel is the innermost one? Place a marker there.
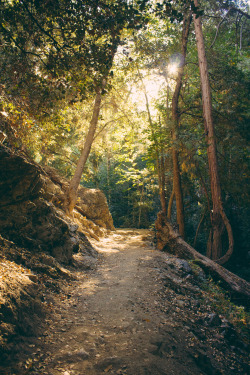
(123, 317)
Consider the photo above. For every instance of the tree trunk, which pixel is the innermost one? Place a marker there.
(161, 181)
(218, 219)
(170, 241)
(178, 191)
(170, 204)
(71, 194)
(175, 117)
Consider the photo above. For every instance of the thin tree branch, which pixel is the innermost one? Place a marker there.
(241, 12)
(224, 18)
(21, 48)
(218, 26)
(198, 228)
(56, 44)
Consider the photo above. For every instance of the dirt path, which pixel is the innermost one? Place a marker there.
(119, 320)
(116, 323)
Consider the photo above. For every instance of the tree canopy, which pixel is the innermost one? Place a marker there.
(56, 56)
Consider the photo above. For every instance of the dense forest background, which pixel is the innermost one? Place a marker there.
(58, 57)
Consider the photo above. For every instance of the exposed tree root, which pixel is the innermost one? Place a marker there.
(229, 252)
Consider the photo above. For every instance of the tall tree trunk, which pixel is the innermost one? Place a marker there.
(71, 194)
(219, 218)
(175, 116)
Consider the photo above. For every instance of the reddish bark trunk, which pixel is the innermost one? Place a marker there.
(170, 204)
(218, 218)
(178, 191)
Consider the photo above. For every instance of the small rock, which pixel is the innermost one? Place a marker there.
(214, 320)
(180, 303)
(33, 278)
(201, 276)
(184, 265)
(82, 354)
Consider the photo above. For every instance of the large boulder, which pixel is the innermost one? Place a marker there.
(93, 204)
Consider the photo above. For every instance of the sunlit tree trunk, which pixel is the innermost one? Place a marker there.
(71, 194)
(218, 216)
(175, 115)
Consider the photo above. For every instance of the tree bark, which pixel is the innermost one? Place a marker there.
(218, 219)
(198, 228)
(178, 191)
(71, 193)
(169, 240)
(170, 204)
(161, 180)
(175, 116)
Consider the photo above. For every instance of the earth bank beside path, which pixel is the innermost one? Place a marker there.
(138, 312)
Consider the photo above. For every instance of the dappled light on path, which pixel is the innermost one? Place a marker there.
(137, 313)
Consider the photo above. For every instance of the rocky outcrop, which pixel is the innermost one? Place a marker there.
(25, 216)
(31, 214)
(38, 226)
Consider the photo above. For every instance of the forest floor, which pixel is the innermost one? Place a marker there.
(138, 312)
